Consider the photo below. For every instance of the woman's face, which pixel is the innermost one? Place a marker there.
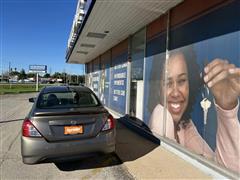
(177, 88)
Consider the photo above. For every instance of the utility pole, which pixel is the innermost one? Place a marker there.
(70, 78)
(2, 74)
(9, 69)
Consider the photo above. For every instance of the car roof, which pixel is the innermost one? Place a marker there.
(49, 89)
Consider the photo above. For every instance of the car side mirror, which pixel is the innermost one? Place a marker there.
(32, 100)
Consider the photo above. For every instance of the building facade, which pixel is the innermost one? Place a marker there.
(164, 63)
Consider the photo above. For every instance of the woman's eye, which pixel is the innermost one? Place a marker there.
(182, 81)
(169, 83)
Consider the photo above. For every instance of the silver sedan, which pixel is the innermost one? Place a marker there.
(66, 123)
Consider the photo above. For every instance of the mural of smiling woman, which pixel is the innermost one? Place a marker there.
(180, 87)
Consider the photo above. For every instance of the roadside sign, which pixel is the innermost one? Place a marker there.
(38, 68)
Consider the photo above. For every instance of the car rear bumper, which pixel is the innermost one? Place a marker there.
(35, 150)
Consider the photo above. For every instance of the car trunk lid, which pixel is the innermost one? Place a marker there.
(69, 124)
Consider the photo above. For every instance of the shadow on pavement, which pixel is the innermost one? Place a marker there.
(97, 161)
(130, 145)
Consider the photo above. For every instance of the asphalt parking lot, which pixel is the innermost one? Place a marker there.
(13, 109)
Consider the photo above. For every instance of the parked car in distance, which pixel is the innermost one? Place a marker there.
(64, 123)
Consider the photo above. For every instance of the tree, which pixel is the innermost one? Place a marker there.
(56, 75)
(31, 75)
(22, 74)
(47, 75)
(64, 77)
(81, 79)
(74, 78)
(14, 73)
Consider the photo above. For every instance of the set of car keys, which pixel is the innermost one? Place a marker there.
(205, 103)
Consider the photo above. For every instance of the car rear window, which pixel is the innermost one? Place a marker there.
(67, 99)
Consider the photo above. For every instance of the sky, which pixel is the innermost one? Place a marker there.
(36, 32)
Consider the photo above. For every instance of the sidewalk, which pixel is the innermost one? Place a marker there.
(147, 160)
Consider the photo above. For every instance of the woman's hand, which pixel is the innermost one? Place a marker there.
(224, 81)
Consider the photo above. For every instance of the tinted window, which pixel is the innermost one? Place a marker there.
(67, 99)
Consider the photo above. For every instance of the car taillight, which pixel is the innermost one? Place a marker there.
(28, 129)
(109, 124)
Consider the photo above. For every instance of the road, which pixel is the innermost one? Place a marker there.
(13, 108)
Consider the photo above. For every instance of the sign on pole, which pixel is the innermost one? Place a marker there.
(37, 69)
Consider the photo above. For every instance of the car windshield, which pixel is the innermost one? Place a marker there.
(67, 99)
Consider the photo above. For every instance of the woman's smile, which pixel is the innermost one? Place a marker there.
(174, 107)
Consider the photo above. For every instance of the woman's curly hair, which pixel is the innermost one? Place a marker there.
(157, 73)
